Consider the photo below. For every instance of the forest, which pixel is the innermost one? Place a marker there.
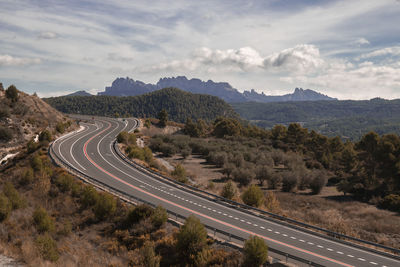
(179, 105)
(348, 119)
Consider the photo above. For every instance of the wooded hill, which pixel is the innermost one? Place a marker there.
(179, 105)
(348, 119)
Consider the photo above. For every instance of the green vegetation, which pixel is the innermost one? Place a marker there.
(105, 206)
(12, 93)
(149, 258)
(255, 252)
(12, 194)
(229, 190)
(178, 104)
(45, 136)
(43, 221)
(191, 239)
(163, 118)
(47, 247)
(5, 207)
(253, 196)
(180, 174)
(348, 119)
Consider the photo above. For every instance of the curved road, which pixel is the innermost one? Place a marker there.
(89, 150)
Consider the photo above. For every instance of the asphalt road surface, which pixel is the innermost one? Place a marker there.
(89, 150)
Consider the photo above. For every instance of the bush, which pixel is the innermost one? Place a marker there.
(43, 221)
(5, 207)
(263, 173)
(229, 190)
(60, 127)
(5, 134)
(122, 137)
(180, 174)
(47, 247)
(191, 238)
(289, 182)
(255, 252)
(64, 182)
(27, 177)
(148, 257)
(253, 196)
(45, 136)
(137, 214)
(12, 93)
(37, 163)
(105, 206)
(391, 202)
(317, 184)
(32, 146)
(159, 217)
(89, 196)
(271, 202)
(274, 180)
(12, 194)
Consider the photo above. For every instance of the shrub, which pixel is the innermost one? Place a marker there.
(5, 134)
(89, 196)
(228, 169)
(148, 257)
(105, 206)
(12, 93)
(60, 127)
(5, 207)
(191, 238)
(255, 252)
(274, 180)
(37, 163)
(159, 217)
(64, 182)
(122, 137)
(271, 202)
(186, 153)
(45, 136)
(391, 202)
(263, 173)
(168, 150)
(43, 221)
(12, 194)
(229, 190)
(317, 184)
(27, 177)
(179, 173)
(32, 146)
(253, 196)
(148, 154)
(137, 214)
(289, 182)
(47, 247)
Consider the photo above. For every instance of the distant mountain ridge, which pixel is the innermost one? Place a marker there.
(129, 87)
(80, 93)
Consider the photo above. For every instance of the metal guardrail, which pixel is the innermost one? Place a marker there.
(272, 216)
(173, 216)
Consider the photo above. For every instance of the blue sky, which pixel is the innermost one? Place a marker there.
(346, 49)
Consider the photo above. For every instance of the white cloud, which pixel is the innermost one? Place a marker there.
(7, 60)
(361, 41)
(47, 35)
(392, 51)
(301, 58)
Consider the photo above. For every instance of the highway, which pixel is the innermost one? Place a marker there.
(89, 150)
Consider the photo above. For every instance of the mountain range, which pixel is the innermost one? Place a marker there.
(130, 87)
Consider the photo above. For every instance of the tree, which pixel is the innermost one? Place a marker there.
(105, 206)
(227, 127)
(289, 181)
(5, 207)
(191, 238)
(148, 257)
(243, 176)
(159, 217)
(253, 196)
(163, 117)
(255, 252)
(122, 137)
(228, 169)
(263, 173)
(229, 190)
(318, 183)
(45, 136)
(12, 93)
(16, 200)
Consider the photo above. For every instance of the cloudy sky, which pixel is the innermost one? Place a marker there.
(346, 49)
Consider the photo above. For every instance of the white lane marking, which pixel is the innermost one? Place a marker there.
(236, 218)
(361, 259)
(310, 243)
(329, 249)
(262, 227)
(248, 222)
(320, 246)
(225, 214)
(230, 216)
(292, 237)
(276, 232)
(374, 263)
(255, 224)
(242, 220)
(339, 252)
(351, 256)
(301, 240)
(284, 234)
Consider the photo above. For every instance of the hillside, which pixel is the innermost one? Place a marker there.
(130, 87)
(348, 119)
(22, 118)
(180, 105)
